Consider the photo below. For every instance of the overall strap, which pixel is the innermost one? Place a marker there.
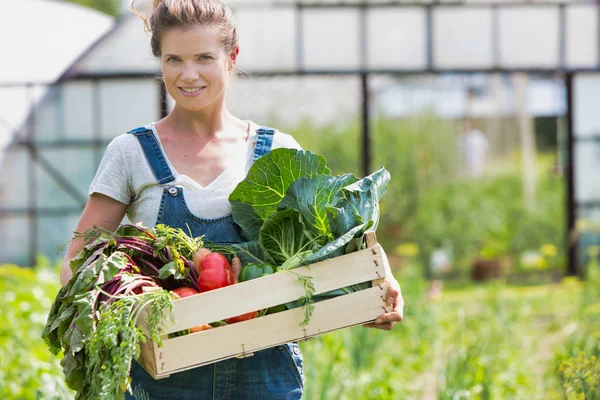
(154, 155)
(264, 141)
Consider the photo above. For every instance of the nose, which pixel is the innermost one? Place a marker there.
(189, 72)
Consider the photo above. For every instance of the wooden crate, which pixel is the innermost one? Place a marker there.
(243, 338)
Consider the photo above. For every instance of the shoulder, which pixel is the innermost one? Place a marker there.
(280, 139)
(284, 140)
(127, 144)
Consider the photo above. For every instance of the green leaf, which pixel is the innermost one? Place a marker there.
(74, 370)
(101, 270)
(251, 253)
(311, 195)
(359, 199)
(85, 316)
(336, 247)
(283, 235)
(55, 318)
(259, 195)
(170, 269)
(296, 260)
(111, 267)
(129, 230)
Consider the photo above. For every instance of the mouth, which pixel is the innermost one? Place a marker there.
(191, 90)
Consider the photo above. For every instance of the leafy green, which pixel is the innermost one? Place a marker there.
(170, 269)
(259, 195)
(293, 212)
(283, 235)
(93, 318)
(116, 342)
(311, 196)
(251, 252)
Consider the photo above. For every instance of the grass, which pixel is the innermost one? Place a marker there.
(490, 341)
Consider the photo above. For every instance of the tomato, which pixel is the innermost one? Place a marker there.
(243, 317)
(215, 272)
(185, 292)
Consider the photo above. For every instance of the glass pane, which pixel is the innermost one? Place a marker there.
(528, 44)
(586, 118)
(327, 32)
(14, 236)
(75, 167)
(14, 178)
(320, 112)
(402, 44)
(274, 51)
(318, 98)
(126, 50)
(15, 105)
(587, 165)
(77, 109)
(54, 231)
(128, 104)
(582, 36)
(462, 38)
(48, 117)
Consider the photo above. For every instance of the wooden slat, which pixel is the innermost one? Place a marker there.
(148, 351)
(205, 347)
(362, 266)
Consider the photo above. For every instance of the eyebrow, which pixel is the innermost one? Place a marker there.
(195, 55)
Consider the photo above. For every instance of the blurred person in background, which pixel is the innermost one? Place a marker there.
(203, 150)
(473, 147)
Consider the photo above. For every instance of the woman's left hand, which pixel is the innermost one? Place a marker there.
(394, 298)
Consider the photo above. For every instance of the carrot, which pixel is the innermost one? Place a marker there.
(236, 266)
(198, 256)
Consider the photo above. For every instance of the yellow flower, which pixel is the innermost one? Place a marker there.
(549, 250)
(408, 249)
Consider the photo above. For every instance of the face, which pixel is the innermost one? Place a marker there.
(195, 66)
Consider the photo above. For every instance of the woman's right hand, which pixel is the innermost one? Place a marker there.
(100, 210)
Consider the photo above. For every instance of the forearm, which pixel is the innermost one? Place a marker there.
(101, 211)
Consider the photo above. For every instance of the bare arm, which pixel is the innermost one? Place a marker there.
(101, 211)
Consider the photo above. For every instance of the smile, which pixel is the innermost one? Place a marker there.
(191, 90)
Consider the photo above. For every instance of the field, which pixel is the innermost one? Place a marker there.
(491, 341)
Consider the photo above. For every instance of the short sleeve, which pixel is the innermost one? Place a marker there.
(283, 140)
(113, 176)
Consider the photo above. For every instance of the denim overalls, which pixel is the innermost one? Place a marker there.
(274, 373)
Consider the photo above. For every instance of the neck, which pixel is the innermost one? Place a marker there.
(207, 123)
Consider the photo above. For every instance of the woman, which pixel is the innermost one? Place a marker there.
(180, 172)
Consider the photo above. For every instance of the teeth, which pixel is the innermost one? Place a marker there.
(191, 90)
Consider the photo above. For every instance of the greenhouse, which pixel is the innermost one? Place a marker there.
(458, 62)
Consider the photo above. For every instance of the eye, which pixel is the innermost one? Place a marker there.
(171, 59)
(205, 57)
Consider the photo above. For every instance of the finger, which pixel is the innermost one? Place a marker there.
(392, 296)
(386, 326)
(393, 316)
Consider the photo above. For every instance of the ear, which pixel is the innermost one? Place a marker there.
(233, 57)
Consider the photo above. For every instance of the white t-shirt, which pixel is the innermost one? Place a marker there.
(125, 175)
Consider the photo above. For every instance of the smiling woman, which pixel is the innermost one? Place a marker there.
(180, 172)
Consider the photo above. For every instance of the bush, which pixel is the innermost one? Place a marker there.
(27, 369)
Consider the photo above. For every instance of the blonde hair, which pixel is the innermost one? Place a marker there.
(168, 14)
